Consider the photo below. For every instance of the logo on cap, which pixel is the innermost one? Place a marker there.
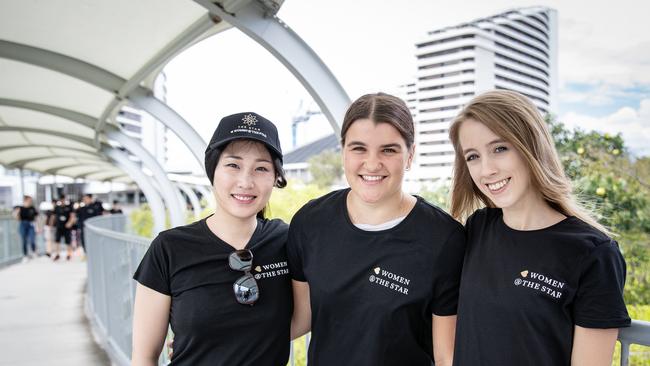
(249, 120)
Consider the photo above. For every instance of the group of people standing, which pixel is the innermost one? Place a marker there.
(517, 274)
(63, 222)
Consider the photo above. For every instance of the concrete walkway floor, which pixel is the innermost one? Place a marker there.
(42, 321)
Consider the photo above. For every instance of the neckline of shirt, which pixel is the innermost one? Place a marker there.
(354, 226)
(223, 243)
(505, 226)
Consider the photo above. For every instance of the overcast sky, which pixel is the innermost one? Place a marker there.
(603, 59)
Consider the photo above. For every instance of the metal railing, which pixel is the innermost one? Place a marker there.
(112, 258)
(638, 333)
(10, 243)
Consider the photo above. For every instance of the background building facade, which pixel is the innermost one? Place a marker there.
(514, 50)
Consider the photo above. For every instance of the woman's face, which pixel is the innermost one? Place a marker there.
(374, 159)
(243, 179)
(496, 167)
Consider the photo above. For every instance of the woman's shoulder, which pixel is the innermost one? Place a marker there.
(324, 204)
(181, 233)
(435, 213)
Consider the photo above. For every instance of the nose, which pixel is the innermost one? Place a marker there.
(373, 162)
(488, 167)
(245, 179)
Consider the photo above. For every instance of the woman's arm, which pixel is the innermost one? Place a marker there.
(301, 319)
(150, 321)
(444, 334)
(593, 347)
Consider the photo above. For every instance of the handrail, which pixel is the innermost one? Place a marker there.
(10, 244)
(638, 333)
(113, 257)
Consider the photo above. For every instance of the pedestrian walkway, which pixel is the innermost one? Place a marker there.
(42, 319)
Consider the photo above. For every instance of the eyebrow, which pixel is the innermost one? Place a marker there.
(240, 158)
(359, 143)
(496, 141)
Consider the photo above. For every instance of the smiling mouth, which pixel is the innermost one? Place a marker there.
(372, 178)
(243, 198)
(499, 186)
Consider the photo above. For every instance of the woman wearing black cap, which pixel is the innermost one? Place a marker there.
(222, 282)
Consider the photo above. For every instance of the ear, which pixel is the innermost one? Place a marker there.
(410, 158)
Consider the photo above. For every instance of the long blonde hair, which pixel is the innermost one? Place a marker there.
(514, 118)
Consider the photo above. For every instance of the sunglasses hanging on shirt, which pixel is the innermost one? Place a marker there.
(245, 288)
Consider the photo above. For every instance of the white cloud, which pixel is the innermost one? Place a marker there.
(633, 124)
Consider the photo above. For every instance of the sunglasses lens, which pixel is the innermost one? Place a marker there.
(246, 290)
(241, 260)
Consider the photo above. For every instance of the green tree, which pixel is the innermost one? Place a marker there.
(325, 168)
(285, 202)
(616, 188)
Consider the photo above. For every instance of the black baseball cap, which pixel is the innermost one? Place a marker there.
(247, 125)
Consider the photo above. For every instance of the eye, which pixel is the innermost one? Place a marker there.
(499, 149)
(262, 169)
(358, 148)
(232, 165)
(389, 150)
(471, 157)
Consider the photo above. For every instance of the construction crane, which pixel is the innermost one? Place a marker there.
(300, 118)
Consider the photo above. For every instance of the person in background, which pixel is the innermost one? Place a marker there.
(87, 208)
(49, 228)
(65, 218)
(26, 215)
(116, 209)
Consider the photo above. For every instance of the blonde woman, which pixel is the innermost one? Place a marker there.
(542, 280)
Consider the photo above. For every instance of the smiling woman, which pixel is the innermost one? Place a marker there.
(222, 283)
(540, 277)
(376, 270)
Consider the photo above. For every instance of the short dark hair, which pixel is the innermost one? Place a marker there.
(381, 108)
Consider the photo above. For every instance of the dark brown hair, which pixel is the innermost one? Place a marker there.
(381, 108)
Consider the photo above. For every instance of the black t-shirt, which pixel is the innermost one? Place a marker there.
(190, 264)
(62, 213)
(27, 213)
(522, 292)
(88, 211)
(373, 293)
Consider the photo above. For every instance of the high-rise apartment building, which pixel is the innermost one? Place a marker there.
(515, 50)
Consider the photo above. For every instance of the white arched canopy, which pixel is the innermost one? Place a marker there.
(66, 68)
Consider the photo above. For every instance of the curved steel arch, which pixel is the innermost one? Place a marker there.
(167, 188)
(288, 48)
(194, 200)
(21, 163)
(6, 148)
(122, 161)
(68, 136)
(82, 119)
(110, 82)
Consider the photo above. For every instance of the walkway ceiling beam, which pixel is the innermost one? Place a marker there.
(140, 96)
(82, 140)
(82, 119)
(286, 46)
